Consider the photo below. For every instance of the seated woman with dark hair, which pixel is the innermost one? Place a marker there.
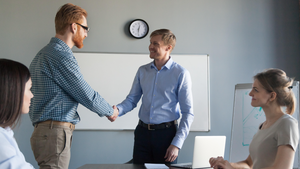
(15, 96)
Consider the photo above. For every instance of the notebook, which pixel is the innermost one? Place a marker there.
(205, 147)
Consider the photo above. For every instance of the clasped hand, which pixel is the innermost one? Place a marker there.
(113, 117)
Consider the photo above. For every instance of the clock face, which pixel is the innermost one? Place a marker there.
(138, 28)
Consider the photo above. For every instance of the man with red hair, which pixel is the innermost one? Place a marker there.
(58, 87)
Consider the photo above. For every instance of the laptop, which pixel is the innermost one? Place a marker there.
(205, 147)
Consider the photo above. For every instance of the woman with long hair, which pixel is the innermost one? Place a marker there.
(15, 96)
(275, 143)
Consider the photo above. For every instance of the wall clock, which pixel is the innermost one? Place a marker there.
(138, 28)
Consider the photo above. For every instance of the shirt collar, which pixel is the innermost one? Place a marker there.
(167, 65)
(62, 43)
(7, 130)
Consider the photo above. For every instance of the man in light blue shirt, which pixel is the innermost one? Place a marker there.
(166, 88)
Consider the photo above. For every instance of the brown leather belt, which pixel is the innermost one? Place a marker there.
(60, 123)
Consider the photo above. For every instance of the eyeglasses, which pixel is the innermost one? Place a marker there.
(84, 27)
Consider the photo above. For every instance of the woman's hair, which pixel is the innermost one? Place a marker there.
(167, 36)
(67, 15)
(13, 78)
(276, 80)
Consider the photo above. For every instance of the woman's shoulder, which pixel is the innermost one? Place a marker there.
(6, 148)
(288, 119)
(286, 123)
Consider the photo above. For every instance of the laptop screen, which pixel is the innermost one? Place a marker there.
(206, 147)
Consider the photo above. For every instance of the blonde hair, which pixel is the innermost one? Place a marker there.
(167, 36)
(67, 15)
(276, 80)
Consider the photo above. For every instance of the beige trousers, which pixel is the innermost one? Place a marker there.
(51, 145)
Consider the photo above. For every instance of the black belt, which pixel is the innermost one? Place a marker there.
(157, 126)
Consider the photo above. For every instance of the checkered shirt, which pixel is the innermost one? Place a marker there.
(58, 86)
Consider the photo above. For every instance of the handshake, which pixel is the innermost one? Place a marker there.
(113, 117)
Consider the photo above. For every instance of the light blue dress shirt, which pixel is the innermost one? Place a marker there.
(10, 155)
(58, 86)
(166, 93)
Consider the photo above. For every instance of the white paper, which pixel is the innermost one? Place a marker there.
(150, 165)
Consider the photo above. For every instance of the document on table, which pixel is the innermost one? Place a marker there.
(150, 165)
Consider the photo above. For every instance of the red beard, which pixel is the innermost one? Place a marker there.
(78, 40)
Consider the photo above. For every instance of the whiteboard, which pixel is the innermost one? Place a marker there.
(112, 75)
(246, 120)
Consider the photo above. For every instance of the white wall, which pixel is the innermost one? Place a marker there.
(241, 37)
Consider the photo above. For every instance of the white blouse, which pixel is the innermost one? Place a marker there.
(10, 155)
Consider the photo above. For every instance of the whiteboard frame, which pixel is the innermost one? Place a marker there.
(249, 86)
(199, 127)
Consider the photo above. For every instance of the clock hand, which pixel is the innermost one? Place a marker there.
(139, 29)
